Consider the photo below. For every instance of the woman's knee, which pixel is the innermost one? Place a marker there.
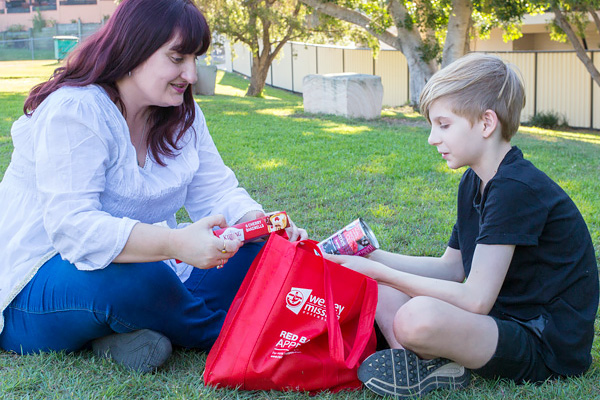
(140, 287)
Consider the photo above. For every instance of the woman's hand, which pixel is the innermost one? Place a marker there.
(295, 233)
(197, 245)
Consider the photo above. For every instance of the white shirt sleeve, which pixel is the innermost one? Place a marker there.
(72, 153)
(214, 188)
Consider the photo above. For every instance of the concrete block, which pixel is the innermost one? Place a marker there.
(207, 80)
(348, 94)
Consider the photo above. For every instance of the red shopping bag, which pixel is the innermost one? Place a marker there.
(298, 322)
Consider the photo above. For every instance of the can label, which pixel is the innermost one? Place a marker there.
(354, 239)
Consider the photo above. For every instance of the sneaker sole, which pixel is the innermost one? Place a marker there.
(143, 351)
(402, 374)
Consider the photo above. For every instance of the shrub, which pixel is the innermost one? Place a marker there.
(38, 21)
(16, 28)
(547, 120)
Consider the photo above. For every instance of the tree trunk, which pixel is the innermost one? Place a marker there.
(258, 77)
(261, 61)
(263, 52)
(457, 35)
(418, 77)
(562, 22)
(409, 42)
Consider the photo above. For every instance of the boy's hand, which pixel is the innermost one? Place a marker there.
(358, 264)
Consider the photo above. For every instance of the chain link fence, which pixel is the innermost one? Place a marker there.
(40, 45)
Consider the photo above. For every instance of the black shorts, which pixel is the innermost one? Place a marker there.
(518, 355)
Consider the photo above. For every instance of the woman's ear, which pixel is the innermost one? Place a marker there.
(490, 122)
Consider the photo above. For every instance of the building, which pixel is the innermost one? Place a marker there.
(22, 12)
(535, 37)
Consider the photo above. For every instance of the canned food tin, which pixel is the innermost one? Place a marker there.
(354, 239)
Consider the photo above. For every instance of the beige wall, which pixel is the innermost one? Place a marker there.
(596, 95)
(63, 14)
(564, 86)
(494, 43)
(392, 67)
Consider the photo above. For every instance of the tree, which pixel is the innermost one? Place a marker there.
(570, 22)
(265, 26)
(429, 33)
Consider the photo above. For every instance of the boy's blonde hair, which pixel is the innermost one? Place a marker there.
(475, 83)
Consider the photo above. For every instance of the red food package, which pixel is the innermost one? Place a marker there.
(255, 229)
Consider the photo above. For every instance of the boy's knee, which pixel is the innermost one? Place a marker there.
(416, 322)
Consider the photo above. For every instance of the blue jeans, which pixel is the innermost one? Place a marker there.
(63, 308)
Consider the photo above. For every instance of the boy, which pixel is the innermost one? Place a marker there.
(526, 309)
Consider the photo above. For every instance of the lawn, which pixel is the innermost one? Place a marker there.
(324, 171)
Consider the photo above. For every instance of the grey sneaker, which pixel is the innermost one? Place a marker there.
(401, 374)
(143, 351)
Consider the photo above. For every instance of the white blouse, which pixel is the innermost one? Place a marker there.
(74, 187)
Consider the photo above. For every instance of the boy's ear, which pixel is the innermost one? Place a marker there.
(490, 122)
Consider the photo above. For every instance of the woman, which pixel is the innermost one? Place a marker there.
(108, 151)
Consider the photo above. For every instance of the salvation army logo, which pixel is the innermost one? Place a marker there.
(296, 298)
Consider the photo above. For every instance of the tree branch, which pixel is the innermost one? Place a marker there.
(354, 17)
(562, 22)
(595, 17)
(289, 32)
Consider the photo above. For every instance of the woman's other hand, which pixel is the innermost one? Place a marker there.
(197, 245)
(294, 233)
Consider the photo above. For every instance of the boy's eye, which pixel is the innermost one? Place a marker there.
(177, 59)
(444, 126)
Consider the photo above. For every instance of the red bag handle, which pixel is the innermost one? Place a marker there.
(365, 325)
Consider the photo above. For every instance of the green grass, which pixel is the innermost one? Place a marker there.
(324, 171)
(25, 54)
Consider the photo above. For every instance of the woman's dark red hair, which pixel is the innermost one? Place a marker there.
(136, 30)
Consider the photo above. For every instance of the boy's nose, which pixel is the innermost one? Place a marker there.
(432, 139)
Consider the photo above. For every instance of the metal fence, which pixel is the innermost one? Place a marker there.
(39, 45)
(555, 82)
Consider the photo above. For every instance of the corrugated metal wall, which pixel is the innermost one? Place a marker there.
(330, 60)
(393, 69)
(596, 95)
(526, 65)
(554, 81)
(305, 63)
(281, 72)
(563, 86)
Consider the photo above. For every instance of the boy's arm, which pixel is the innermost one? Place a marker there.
(447, 267)
(477, 294)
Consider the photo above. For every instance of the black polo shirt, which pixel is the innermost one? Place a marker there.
(552, 283)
